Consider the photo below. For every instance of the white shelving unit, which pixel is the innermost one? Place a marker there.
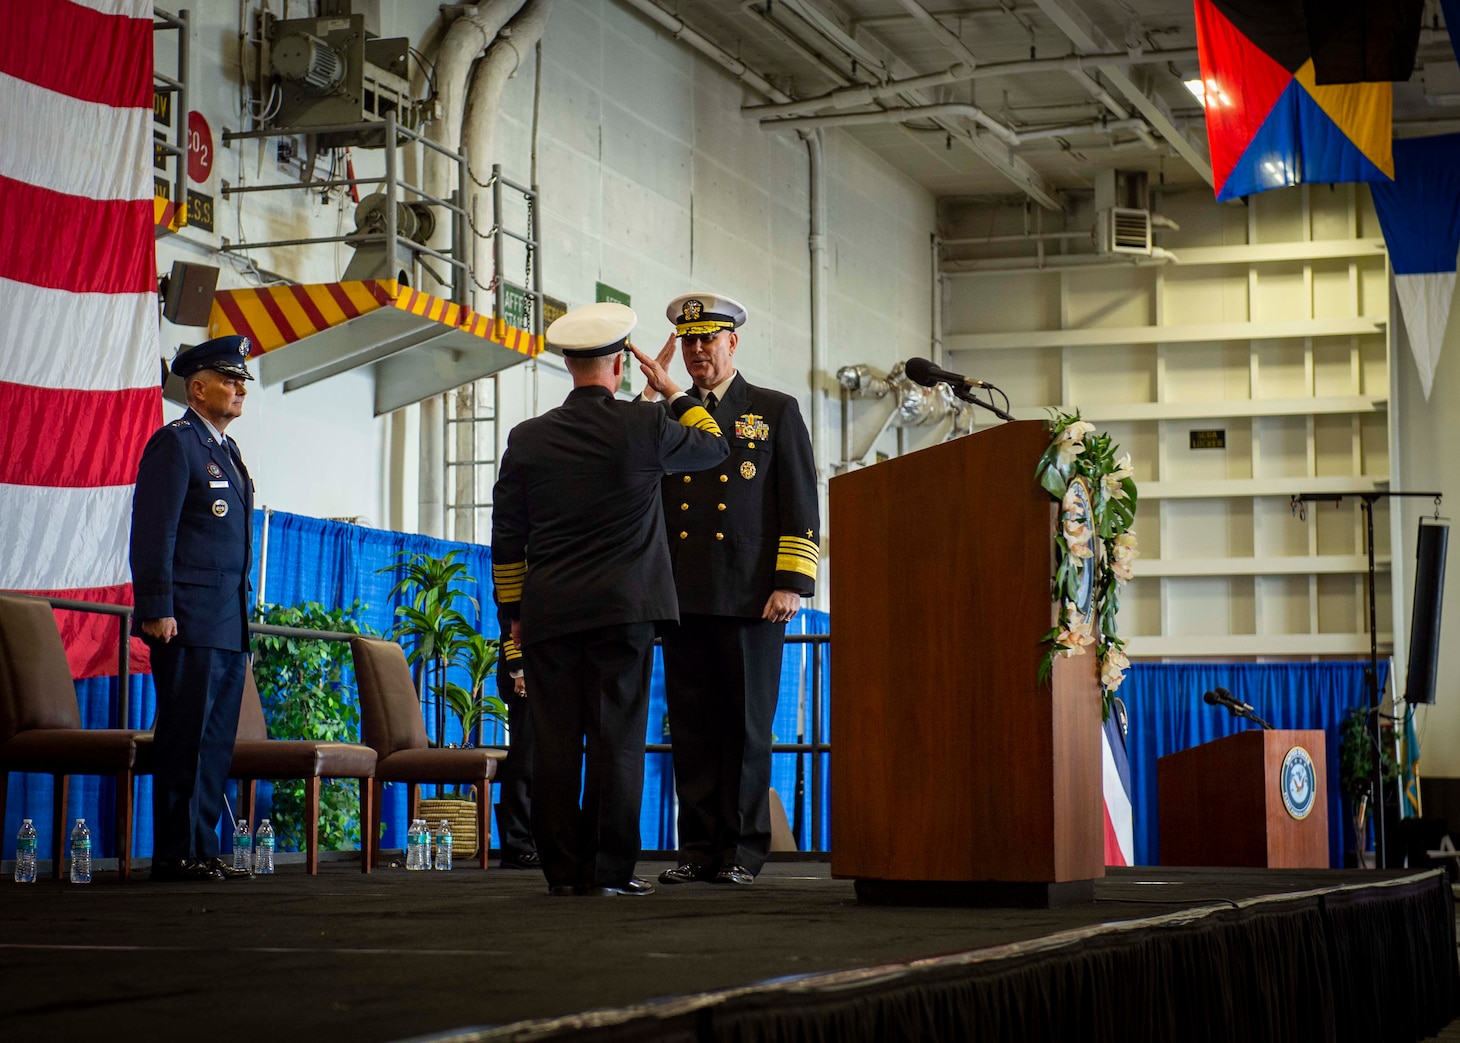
(1272, 326)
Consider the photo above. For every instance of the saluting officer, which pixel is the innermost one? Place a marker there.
(581, 568)
(192, 529)
(744, 537)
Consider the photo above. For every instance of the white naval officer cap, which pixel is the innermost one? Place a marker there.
(701, 313)
(592, 330)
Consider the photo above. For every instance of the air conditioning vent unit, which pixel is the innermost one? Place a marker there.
(1124, 230)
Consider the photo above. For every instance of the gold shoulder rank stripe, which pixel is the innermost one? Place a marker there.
(508, 581)
(796, 554)
(699, 417)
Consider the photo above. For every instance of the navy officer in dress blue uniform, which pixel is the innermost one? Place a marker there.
(745, 541)
(581, 568)
(514, 800)
(192, 529)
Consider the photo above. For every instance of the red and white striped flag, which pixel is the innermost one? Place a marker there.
(79, 378)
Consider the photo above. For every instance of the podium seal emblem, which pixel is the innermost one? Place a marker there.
(1298, 782)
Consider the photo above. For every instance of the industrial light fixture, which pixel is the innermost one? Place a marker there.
(1208, 92)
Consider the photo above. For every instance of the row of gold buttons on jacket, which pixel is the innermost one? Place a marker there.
(723, 478)
(718, 507)
(718, 535)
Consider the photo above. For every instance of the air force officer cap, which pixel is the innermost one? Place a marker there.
(224, 354)
(592, 330)
(697, 314)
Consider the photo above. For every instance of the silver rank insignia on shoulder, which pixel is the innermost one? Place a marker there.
(183, 422)
(747, 470)
(220, 507)
(752, 425)
(215, 470)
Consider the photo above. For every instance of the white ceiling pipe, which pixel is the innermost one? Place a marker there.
(684, 34)
(960, 73)
(1093, 127)
(902, 115)
(514, 43)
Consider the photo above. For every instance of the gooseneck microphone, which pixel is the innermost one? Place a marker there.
(1223, 698)
(922, 371)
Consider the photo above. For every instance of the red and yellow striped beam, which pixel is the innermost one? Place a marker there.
(272, 316)
(166, 217)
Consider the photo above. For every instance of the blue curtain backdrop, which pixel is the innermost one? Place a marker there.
(310, 559)
(1164, 702)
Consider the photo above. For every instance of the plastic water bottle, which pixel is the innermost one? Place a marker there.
(263, 859)
(443, 846)
(25, 845)
(81, 853)
(242, 847)
(418, 854)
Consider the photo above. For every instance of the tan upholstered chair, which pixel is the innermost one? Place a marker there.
(40, 723)
(256, 756)
(390, 718)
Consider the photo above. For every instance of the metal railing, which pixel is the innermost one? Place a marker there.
(815, 744)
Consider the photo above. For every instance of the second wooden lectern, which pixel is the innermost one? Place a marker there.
(958, 778)
(1246, 799)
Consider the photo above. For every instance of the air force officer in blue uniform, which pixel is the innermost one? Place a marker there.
(192, 528)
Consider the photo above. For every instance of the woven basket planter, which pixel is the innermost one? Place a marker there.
(461, 813)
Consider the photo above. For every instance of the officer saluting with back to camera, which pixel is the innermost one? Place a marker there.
(744, 537)
(192, 529)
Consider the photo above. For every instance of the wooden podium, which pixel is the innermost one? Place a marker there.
(1221, 803)
(956, 776)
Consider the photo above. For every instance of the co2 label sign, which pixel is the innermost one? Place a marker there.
(200, 148)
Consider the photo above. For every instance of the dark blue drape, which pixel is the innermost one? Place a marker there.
(1164, 701)
(333, 563)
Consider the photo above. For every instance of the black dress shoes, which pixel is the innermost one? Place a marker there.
(528, 860)
(685, 873)
(735, 875)
(178, 870)
(225, 870)
(634, 886)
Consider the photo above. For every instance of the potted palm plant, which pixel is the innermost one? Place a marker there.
(440, 638)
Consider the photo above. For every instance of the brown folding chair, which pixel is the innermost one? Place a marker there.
(40, 723)
(390, 718)
(256, 756)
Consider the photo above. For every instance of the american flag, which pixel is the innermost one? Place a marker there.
(1119, 832)
(79, 388)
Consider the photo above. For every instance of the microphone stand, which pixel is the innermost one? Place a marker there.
(966, 394)
(1238, 711)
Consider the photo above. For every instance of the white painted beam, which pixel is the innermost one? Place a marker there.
(1184, 334)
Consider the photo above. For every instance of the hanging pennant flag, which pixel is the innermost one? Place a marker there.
(1420, 215)
(1363, 41)
(1269, 123)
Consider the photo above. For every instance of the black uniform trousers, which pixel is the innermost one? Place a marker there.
(722, 680)
(514, 795)
(199, 691)
(589, 685)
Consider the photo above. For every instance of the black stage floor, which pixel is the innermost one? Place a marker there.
(399, 955)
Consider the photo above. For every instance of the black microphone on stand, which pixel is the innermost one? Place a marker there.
(1234, 706)
(922, 371)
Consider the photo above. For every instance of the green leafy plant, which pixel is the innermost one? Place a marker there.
(1356, 755)
(308, 692)
(439, 636)
(1096, 531)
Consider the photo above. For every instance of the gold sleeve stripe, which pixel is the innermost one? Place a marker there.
(795, 563)
(508, 581)
(509, 649)
(699, 417)
(799, 554)
(796, 543)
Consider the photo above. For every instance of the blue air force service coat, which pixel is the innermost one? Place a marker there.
(577, 530)
(192, 532)
(750, 525)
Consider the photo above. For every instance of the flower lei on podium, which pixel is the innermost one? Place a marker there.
(1097, 496)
